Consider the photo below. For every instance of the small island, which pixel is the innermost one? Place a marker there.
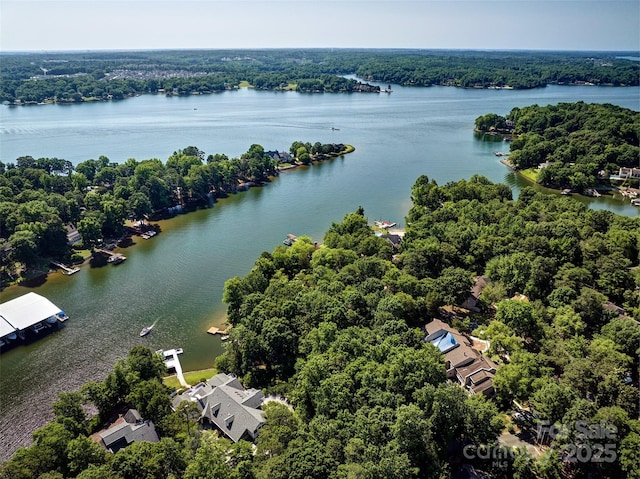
(590, 149)
(55, 213)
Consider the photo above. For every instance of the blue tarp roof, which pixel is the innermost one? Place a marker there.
(445, 342)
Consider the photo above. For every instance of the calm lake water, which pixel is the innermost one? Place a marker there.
(177, 277)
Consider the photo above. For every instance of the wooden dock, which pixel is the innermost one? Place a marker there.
(114, 258)
(214, 330)
(65, 269)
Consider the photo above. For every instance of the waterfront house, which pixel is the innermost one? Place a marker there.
(127, 429)
(625, 173)
(280, 156)
(224, 403)
(73, 236)
(463, 363)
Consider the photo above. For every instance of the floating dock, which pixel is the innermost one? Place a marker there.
(65, 269)
(171, 361)
(215, 330)
(114, 258)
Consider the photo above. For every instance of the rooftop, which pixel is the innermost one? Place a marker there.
(5, 328)
(445, 342)
(224, 402)
(25, 311)
(127, 429)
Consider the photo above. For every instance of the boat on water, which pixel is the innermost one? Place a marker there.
(146, 330)
(384, 224)
(224, 338)
(62, 316)
(38, 327)
(289, 239)
(116, 258)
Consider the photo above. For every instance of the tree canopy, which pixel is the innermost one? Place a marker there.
(575, 145)
(89, 76)
(40, 198)
(336, 329)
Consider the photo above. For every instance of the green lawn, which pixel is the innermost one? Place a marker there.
(245, 84)
(192, 378)
(530, 173)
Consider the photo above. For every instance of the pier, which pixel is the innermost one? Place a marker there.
(65, 269)
(114, 258)
(171, 361)
(215, 330)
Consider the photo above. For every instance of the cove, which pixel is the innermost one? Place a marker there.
(177, 277)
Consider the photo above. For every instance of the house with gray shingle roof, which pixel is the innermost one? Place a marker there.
(473, 371)
(127, 429)
(473, 300)
(224, 403)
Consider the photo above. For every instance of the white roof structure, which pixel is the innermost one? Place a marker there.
(5, 328)
(25, 311)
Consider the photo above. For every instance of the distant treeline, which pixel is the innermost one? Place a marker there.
(76, 77)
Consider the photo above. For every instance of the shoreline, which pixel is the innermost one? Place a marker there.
(52, 101)
(319, 159)
(608, 191)
(40, 276)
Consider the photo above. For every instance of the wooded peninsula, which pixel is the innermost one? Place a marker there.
(53, 210)
(571, 145)
(65, 77)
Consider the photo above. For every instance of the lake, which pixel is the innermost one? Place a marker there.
(177, 277)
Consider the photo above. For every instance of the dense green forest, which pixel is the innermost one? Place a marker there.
(76, 77)
(574, 145)
(337, 330)
(40, 197)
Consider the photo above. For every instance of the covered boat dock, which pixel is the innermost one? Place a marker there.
(28, 312)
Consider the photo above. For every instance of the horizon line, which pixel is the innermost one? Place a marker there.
(115, 50)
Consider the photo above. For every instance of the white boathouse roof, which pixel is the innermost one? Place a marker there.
(5, 328)
(25, 311)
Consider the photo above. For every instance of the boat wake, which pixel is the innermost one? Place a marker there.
(147, 329)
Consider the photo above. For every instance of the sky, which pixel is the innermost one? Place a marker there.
(50, 25)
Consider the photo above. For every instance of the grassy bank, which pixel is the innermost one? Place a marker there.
(530, 174)
(192, 378)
